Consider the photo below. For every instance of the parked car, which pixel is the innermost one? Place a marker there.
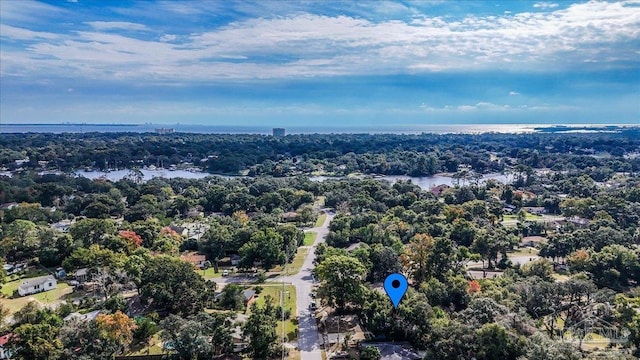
(225, 272)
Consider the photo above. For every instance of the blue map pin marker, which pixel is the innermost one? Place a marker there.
(396, 286)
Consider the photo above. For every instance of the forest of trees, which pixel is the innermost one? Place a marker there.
(415, 155)
(126, 233)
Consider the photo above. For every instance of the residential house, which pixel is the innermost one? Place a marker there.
(509, 209)
(8, 206)
(249, 296)
(440, 189)
(578, 221)
(83, 317)
(62, 226)
(536, 210)
(524, 195)
(239, 340)
(532, 241)
(197, 260)
(36, 285)
(395, 350)
(182, 231)
(81, 275)
(194, 213)
(354, 246)
(21, 162)
(235, 259)
(5, 353)
(290, 216)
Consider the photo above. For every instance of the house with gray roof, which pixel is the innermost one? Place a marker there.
(36, 285)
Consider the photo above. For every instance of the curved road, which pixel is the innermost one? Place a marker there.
(308, 336)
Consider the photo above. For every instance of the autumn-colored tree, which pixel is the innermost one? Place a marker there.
(474, 287)
(242, 217)
(167, 231)
(168, 242)
(416, 257)
(132, 238)
(578, 260)
(117, 327)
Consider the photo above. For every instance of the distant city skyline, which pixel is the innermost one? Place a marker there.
(332, 63)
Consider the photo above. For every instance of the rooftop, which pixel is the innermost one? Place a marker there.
(248, 294)
(36, 281)
(5, 338)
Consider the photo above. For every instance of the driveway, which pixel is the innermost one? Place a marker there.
(309, 337)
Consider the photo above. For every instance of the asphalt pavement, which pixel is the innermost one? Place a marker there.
(308, 336)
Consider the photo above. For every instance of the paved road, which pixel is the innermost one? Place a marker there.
(309, 337)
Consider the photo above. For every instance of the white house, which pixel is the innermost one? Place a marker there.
(83, 317)
(36, 285)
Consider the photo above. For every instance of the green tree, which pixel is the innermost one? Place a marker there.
(93, 257)
(92, 231)
(20, 240)
(370, 353)
(386, 262)
(342, 280)
(200, 336)
(173, 284)
(260, 330)
(615, 266)
(35, 342)
(265, 247)
(148, 231)
(541, 268)
(187, 337)
(495, 343)
(231, 297)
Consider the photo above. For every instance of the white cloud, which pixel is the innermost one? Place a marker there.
(16, 33)
(31, 12)
(545, 5)
(513, 93)
(312, 45)
(485, 106)
(168, 38)
(116, 25)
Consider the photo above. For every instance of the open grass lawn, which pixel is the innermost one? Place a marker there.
(560, 277)
(309, 238)
(529, 217)
(210, 273)
(10, 287)
(295, 265)
(321, 220)
(153, 349)
(526, 251)
(275, 291)
(319, 201)
(45, 298)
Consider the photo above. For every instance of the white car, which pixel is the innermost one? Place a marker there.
(225, 272)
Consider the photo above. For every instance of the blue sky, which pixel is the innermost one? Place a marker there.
(328, 63)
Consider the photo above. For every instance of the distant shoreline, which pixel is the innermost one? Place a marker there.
(58, 128)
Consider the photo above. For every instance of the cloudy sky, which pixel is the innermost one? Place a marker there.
(286, 63)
